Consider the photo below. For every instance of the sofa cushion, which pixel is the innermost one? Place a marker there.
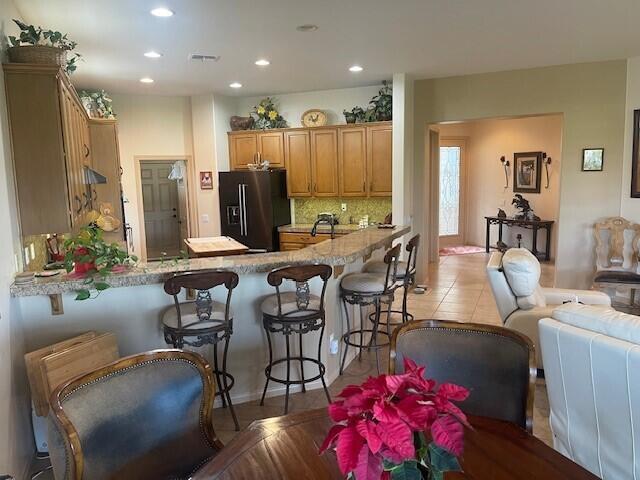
(522, 270)
(600, 319)
(616, 276)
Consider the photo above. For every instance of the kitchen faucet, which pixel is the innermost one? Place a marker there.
(328, 219)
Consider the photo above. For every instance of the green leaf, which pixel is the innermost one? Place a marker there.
(407, 471)
(441, 460)
(83, 294)
(101, 286)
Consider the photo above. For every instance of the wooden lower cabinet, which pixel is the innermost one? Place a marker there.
(296, 241)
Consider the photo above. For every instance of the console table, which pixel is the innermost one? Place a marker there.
(533, 225)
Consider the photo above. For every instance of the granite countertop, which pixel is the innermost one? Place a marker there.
(322, 228)
(339, 251)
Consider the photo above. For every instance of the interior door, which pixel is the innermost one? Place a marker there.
(451, 212)
(161, 210)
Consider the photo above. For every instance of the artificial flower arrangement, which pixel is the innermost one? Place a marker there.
(267, 116)
(398, 427)
(97, 104)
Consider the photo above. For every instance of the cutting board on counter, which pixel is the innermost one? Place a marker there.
(215, 246)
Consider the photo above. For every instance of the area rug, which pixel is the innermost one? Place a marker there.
(461, 250)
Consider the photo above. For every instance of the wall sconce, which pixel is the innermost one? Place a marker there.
(505, 164)
(547, 161)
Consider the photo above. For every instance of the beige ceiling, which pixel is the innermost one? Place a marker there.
(426, 38)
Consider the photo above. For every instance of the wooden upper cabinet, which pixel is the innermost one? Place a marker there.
(352, 156)
(271, 147)
(379, 160)
(242, 150)
(324, 162)
(297, 155)
(105, 156)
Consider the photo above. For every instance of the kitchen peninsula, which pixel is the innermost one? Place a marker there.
(131, 309)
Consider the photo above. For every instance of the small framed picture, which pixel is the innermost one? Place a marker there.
(592, 159)
(527, 171)
(206, 181)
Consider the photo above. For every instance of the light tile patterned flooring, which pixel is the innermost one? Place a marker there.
(458, 290)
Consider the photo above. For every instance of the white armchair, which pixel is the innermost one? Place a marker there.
(592, 370)
(514, 278)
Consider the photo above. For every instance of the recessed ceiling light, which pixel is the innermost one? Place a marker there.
(355, 68)
(262, 62)
(161, 12)
(235, 85)
(307, 28)
(152, 54)
(146, 80)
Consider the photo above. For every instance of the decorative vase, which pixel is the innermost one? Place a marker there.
(38, 54)
(82, 268)
(350, 117)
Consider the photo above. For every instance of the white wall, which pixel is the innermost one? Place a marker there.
(148, 126)
(486, 142)
(16, 444)
(590, 96)
(629, 207)
(223, 109)
(402, 186)
(292, 105)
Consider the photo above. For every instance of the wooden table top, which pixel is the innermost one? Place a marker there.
(215, 246)
(286, 448)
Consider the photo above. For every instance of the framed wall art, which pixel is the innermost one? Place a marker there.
(592, 159)
(527, 172)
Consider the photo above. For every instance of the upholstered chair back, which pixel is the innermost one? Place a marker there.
(591, 360)
(497, 364)
(617, 244)
(143, 417)
(514, 279)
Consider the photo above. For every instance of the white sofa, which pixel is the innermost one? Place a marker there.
(514, 279)
(592, 370)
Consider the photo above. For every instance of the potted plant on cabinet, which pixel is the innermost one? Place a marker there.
(88, 256)
(44, 47)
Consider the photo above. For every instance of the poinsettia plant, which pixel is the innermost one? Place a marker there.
(398, 427)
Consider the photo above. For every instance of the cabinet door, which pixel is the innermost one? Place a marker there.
(242, 149)
(324, 162)
(297, 154)
(271, 147)
(72, 156)
(379, 141)
(352, 154)
(105, 159)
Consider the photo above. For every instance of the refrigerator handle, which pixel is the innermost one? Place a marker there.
(240, 207)
(244, 208)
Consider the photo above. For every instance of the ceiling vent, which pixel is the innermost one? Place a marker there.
(204, 58)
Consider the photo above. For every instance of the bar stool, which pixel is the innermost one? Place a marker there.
(203, 321)
(295, 312)
(364, 289)
(405, 278)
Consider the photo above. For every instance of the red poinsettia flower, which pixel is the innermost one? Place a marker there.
(378, 422)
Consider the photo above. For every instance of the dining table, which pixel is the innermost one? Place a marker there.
(286, 448)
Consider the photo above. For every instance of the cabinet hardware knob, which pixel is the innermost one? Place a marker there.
(86, 150)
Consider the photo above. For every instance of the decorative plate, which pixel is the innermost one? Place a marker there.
(314, 118)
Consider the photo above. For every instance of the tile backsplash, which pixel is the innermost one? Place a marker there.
(307, 209)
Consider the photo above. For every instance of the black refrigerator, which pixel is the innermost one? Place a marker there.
(253, 204)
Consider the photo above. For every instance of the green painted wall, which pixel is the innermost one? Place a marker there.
(307, 209)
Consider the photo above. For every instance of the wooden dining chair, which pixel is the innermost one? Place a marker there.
(496, 364)
(147, 416)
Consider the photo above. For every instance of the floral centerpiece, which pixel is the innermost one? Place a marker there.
(267, 116)
(91, 258)
(398, 427)
(97, 104)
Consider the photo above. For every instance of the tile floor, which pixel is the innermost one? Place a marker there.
(458, 290)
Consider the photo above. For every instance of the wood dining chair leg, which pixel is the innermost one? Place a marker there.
(321, 368)
(374, 335)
